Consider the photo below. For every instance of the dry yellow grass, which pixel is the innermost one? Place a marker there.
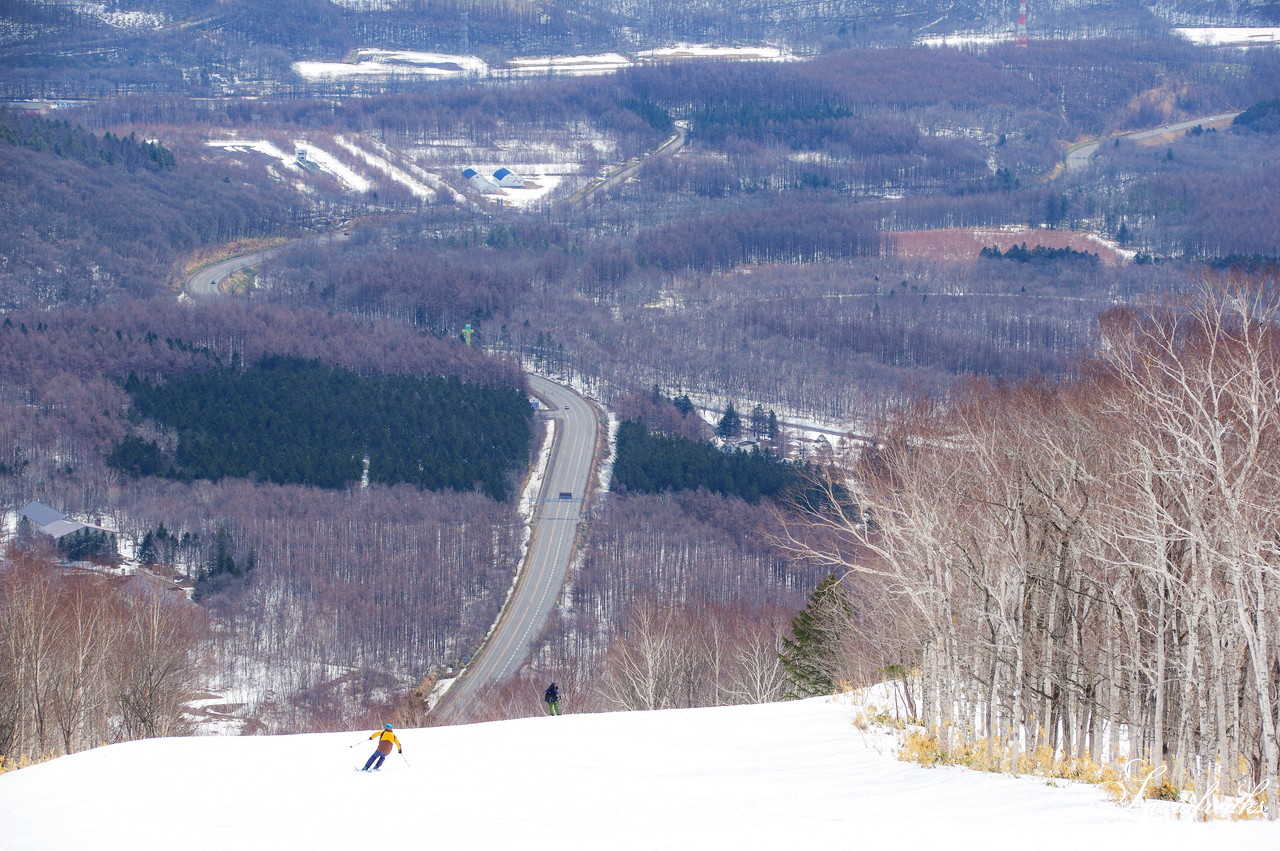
(8, 764)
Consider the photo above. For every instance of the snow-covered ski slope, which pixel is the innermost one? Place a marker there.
(788, 775)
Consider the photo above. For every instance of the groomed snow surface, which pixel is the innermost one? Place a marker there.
(783, 775)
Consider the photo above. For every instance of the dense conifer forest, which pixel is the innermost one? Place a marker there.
(656, 463)
(290, 421)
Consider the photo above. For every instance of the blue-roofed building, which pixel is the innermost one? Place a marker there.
(507, 178)
(480, 183)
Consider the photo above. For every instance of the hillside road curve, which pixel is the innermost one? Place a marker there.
(204, 282)
(1080, 157)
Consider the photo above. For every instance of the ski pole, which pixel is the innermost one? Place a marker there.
(406, 760)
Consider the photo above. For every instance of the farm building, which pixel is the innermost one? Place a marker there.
(480, 183)
(508, 178)
(50, 521)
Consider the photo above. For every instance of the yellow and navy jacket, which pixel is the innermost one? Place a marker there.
(386, 740)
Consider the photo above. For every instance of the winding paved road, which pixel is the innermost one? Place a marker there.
(1080, 157)
(205, 281)
(628, 170)
(555, 528)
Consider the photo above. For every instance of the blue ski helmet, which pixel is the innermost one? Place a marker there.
(387, 727)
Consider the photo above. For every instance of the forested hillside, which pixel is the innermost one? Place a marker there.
(90, 217)
(384, 581)
(856, 234)
(655, 463)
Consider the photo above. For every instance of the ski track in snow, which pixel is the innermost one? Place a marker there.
(334, 166)
(419, 190)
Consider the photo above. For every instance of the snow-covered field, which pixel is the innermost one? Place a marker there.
(1238, 36)
(600, 63)
(377, 62)
(966, 39)
(318, 157)
(711, 51)
(776, 776)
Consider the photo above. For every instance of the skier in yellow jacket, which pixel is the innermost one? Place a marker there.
(386, 740)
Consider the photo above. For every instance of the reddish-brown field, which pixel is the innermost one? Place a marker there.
(966, 243)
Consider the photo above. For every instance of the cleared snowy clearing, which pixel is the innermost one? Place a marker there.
(739, 777)
(259, 146)
(1236, 36)
(328, 162)
(966, 39)
(539, 180)
(371, 61)
(376, 62)
(321, 159)
(602, 63)
(711, 51)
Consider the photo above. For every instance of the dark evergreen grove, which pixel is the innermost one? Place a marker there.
(653, 463)
(287, 420)
(1263, 117)
(90, 544)
(1039, 254)
(71, 141)
(809, 653)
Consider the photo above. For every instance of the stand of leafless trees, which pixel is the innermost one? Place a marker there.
(87, 659)
(365, 591)
(1093, 566)
(677, 601)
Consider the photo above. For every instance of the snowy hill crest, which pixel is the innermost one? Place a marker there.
(770, 776)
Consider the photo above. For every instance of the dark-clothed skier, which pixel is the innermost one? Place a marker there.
(386, 741)
(552, 697)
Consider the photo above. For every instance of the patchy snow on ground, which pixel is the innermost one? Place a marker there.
(125, 20)
(1233, 36)
(742, 777)
(317, 157)
(427, 178)
(260, 146)
(328, 162)
(371, 5)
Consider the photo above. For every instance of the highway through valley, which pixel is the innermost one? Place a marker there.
(554, 522)
(555, 529)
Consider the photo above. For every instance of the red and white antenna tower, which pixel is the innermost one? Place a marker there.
(1021, 31)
